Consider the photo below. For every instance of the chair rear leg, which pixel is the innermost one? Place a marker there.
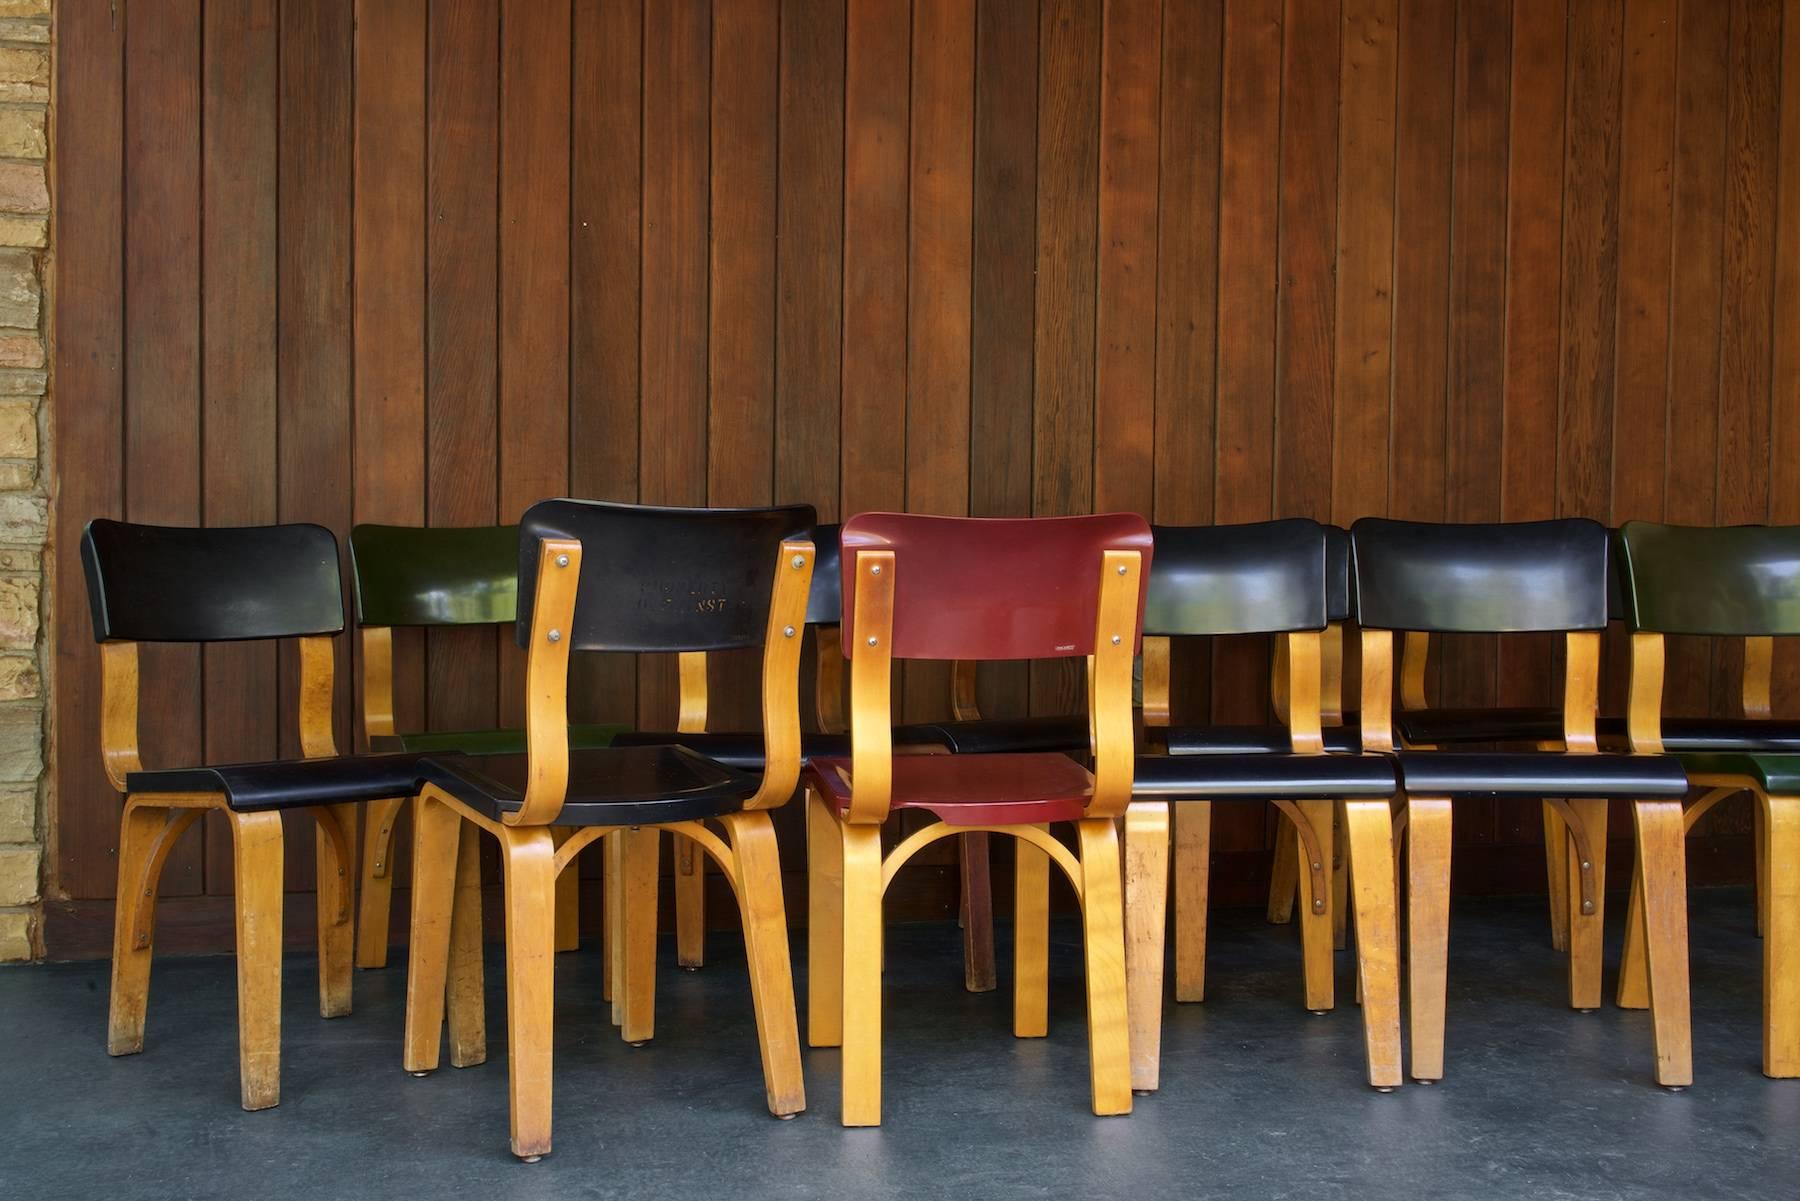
(612, 922)
(690, 903)
(1316, 926)
(1340, 881)
(1781, 937)
(1586, 918)
(146, 834)
(977, 911)
(1031, 940)
(1146, 913)
(1662, 888)
(641, 851)
(1103, 941)
(1634, 981)
(528, 856)
(1192, 873)
(1284, 882)
(862, 939)
(1556, 871)
(758, 870)
(824, 925)
(464, 993)
(334, 902)
(256, 859)
(568, 901)
(376, 896)
(1369, 832)
(1427, 930)
(436, 828)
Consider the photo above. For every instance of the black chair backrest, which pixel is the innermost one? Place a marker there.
(1337, 573)
(1265, 577)
(1493, 578)
(825, 604)
(662, 579)
(1737, 581)
(436, 576)
(152, 583)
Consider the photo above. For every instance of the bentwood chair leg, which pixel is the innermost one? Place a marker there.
(1340, 881)
(1662, 888)
(1556, 871)
(1146, 912)
(640, 850)
(143, 834)
(1192, 871)
(1781, 938)
(257, 855)
(1103, 941)
(824, 925)
(335, 903)
(1284, 883)
(1031, 940)
(436, 828)
(1762, 871)
(690, 903)
(1318, 966)
(568, 900)
(1369, 831)
(464, 994)
(1586, 919)
(528, 857)
(376, 896)
(979, 972)
(1427, 930)
(862, 939)
(758, 871)
(1634, 981)
(612, 921)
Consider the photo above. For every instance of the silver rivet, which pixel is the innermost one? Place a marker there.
(556, 635)
(562, 560)
(799, 562)
(1121, 569)
(1585, 865)
(1318, 906)
(875, 570)
(1315, 867)
(789, 631)
(1587, 906)
(1117, 640)
(872, 640)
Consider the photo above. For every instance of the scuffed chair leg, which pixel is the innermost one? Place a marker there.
(1781, 938)
(464, 993)
(1428, 930)
(1103, 941)
(690, 903)
(977, 911)
(1586, 918)
(1031, 940)
(568, 900)
(1368, 829)
(1191, 871)
(862, 941)
(758, 864)
(257, 855)
(824, 926)
(146, 834)
(376, 898)
(1662, 889)
(641, 852)
(1146, 912)
(1284, 882)
(334, 901)
(1556, 871)
(1315, 908)
(436, 828)
(528, 857)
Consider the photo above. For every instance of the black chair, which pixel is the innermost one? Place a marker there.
(1548, 576)
(162, 584)
(610, 577)
(1268, 578)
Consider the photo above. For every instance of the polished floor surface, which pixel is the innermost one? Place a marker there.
(1259, 1099)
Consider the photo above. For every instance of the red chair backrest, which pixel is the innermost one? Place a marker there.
(992, 587)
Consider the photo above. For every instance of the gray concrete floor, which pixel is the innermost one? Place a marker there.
(1259, 1098)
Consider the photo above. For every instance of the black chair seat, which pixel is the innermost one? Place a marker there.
(1250, 740)
(736, 750)
(1000, 735)
(612, 786)
(291, 783)
(488, 742)
(1263, 776)
(1715, 734)
(1541, 774)
(1442, 727)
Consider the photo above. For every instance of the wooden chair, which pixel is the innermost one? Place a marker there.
(161, 584)
(438, 577)
(609, 577)
(1742, 582)
(970, 588)
(1275, 579)
(1503, 578)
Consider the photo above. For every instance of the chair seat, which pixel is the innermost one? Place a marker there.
(489, 742)
(1541, 774)
(1776, 775)
(1250, 740)
(608, 786)
(974, 790)
(291, 783)
(1000, 735)
(1441, 727)
(743, 751)
(1263, 776)
(1713, 734)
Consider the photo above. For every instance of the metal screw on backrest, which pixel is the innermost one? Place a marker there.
(872, 640)
(562, 560)
(788, 632)
(1121, 569)
(799, 562)
(555, 635)
(1117, 640)
(875, 570)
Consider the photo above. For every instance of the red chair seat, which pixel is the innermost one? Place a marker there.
(974, 790)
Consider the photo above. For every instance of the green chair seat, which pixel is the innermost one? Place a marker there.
(1776, 775)
(490, 742)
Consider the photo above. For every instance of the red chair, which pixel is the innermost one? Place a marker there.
(972, 588)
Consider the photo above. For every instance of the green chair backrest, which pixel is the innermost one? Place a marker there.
(1735, 581)
(441, 576)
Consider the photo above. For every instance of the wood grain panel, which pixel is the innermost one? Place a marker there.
(1784, 406)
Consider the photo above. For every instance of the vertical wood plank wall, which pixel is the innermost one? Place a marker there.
(429, 260)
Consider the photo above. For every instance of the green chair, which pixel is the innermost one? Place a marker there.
(1740, 582)
(444, 576)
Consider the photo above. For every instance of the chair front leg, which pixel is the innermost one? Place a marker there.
(690, 903)
(1103, 939)
(862, 939)
(1146, 913)
(824, 924)
(1661, 882)
(1284, 882)
(1586, 914)
(146, 835)
(257, 864)
(465, 993)
(1316, 925)
(1031, 940)
(1556, 871)
(757, 863)
(436, 829)
(1369, 831)
(640, 851)
(334, 902)
(528, 858)
(1193, 875)
(376, 895)
(977, 912)
(1781, 937)
(1428, 930)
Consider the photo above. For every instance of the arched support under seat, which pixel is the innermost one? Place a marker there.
(150, 869)
(1038, 836)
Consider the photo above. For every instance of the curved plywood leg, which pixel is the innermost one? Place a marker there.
(1556, 871)
(436, 828)
(1284, 881)
(1762, 871)
(758, 871)
(1031, 940)
(977, 912)
(690, 903)
(1340, 881)
(1634, 981)
(464, 994)
(334, 898)
(1192, 872)
(824, 925)
(1781, 937)
(641, 853)
(1586, 916)
(1662, 890)
(146, 835)
(1316, 927)
(1146, 912)
(528, 860)
(1369, 833)
(613, 886)
(568, 900)
(1103, 942)
(375, 902)
(1428, 930)
(862, 939)
(256, 860)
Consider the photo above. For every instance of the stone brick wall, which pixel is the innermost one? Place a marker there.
(24, 462)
